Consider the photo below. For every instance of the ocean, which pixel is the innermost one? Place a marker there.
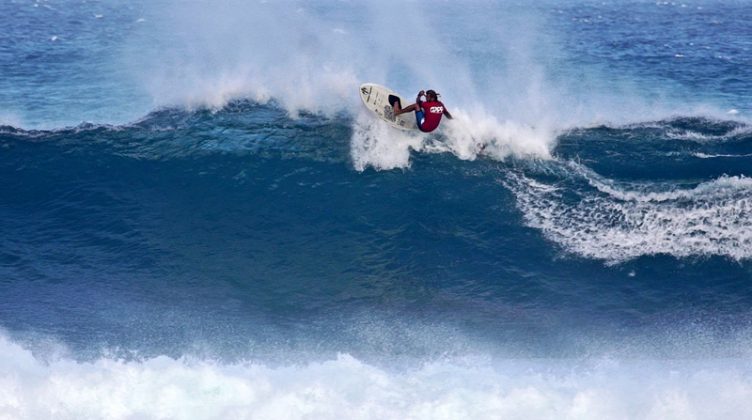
(200, 220)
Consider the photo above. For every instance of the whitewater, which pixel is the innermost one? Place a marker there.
(199, 219)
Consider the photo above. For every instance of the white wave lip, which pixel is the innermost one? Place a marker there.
(345, 387)
(467, 136)
(700, 137)
(701, 155)
(616, 224)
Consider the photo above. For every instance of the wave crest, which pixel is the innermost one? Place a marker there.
(617, 222)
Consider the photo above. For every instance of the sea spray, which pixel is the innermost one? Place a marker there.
(466, 137)
(468, 387)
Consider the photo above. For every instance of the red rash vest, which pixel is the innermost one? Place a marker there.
(432, 115)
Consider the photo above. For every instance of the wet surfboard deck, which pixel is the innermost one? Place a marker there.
(376, 99)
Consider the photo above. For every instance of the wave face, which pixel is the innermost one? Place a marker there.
(228, 233)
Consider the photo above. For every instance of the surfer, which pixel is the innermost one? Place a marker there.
(427, 113)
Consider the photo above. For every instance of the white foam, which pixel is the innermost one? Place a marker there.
(709, 191)
(469, 133)
(466, 136)
(700, 137)
(718, 155)
(344, 387)
(620, 222)
(376, 144)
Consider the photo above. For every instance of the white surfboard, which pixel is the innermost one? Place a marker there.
(376, 98)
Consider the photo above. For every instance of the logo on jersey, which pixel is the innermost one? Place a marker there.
(436, 109)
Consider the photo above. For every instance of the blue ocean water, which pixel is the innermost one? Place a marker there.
(198, 218)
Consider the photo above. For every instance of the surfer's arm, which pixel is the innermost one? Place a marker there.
(448, 115)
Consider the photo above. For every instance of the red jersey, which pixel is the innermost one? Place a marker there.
(432, 112)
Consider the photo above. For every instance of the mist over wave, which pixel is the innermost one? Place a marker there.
(218, 54)
(502, 70)
(514, 99)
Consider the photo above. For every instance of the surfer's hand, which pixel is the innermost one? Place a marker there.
(421, 93)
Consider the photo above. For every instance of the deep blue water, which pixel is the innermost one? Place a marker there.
(198, 219)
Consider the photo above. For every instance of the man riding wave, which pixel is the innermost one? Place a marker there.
(428, 113)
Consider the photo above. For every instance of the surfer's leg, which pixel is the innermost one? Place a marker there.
(419, 118)
(394, 101)
(410, 108)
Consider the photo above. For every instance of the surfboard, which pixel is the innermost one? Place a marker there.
(376, 99)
